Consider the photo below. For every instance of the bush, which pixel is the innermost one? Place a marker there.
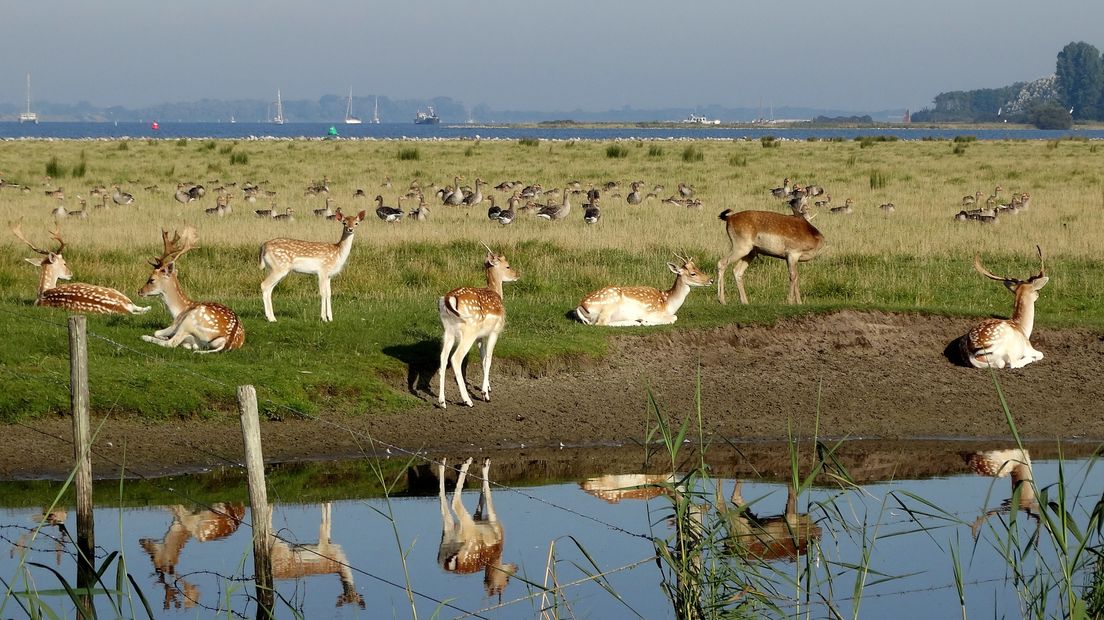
(959, 149)
(409, 153)
(739, 161)
(124, 146)
(960, 139)
(770, 142)
(208, 146)
(1050, 117)
(878, 179)
(238, 158)
(225, 150)
(655, 150)
(182, 142)
(529, 142)
(54, 169)
(617, 151)
(692, 153)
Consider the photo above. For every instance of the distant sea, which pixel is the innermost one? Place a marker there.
(399, 131)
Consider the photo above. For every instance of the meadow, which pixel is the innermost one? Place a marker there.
(917, 259)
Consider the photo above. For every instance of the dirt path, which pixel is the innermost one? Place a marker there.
(875, 375)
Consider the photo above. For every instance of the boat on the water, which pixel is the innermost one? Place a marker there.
(375, 113)
(700, 120)
(427, 117)
(28, 116)
(349, 118)
(279, 118)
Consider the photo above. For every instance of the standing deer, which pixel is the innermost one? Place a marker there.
(471, 543)
(997, 343)
(75, 297)
(784, 536)
(620, 306)
(203, 327)
(471, 315)
(751, 233)
(283, 256)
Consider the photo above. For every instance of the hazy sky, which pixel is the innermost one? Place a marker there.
(587, 54)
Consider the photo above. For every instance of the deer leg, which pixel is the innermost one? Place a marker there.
(446, 516)
(324, 293)
(722, 265)
(325, 525)
(485, 498)
(457, 503)
(271, 280)
(447, 342)
(457, 361)
(486, 352)
(738, 273)
(795, 292)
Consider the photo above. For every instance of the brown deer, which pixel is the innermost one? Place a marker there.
(613, 488)
(620, 306)
(472, 543)
(75, 297)
(1002, 463)
(751, 233)
(283, 256)
(203, 327)
(998, 343)
(205, 525)
(784, 536)
(325, 557)
(471, 315)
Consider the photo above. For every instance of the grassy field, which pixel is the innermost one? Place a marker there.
(917, 259)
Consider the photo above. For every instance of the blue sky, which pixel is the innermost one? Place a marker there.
(858, 55)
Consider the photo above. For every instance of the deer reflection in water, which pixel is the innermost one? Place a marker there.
(292, 561)
(1002, 463)
(615, 487)
(213, 523)
(51, 518)
(785, 536)
(472, 542)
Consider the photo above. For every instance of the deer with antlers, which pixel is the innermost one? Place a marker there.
(997, 343)
(75, 297)
(203, 327)
(751, 233)
(283, 256)
(620, 306)
(473, 315)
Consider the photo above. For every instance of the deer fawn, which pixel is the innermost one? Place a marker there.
(471, 315)
(471, 543)
(76, 297)
(998, 343)
(203, 327)
(642, 305)
(752, 233)
(283, 256)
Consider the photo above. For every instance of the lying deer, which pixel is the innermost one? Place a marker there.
(751, 233)
(283, 256)
(998, 343)
(472, 543)
(620, 306)
(76, 297)
(999, 464)
(203, 327)
(471, 315)
(325, 557)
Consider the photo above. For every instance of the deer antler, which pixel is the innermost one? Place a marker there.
(989, 274)
(17, 230)
(175, 247)
(1042, 265)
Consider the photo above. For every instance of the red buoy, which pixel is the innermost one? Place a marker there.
(154, 126)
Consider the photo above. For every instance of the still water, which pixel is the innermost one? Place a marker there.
(394, 131)
(341, 546)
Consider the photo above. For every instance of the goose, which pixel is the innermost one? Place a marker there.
(845, 209)
(591, 212)
(887, 207)
(506, 186)
(120, 197)
(686, 190)
(58, 193)
(103, 202)
(388, 214)
(798, 191)
(611, 185)
(325, 211)
(456, 197)
(420, 212)
(386, 183)
(969, 200)
(554, 211)
(493, 211)
(634, 197)
(152, 188)
(506, 217)
(531, 192)
(692, 203)
(286, 216)
(182, 196)
(359, 194)
(824, 204)
(270, 212)
(814, 190)
(475, 197)
(784, 191)
(196, 192)
(59, 212)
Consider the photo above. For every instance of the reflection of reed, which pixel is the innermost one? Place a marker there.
(785, 536)
(293, 561)
(1000, 464)
(615, 487)
(472, 543)
(219, 521)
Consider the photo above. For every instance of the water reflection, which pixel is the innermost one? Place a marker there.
(470, 543)
(48, 518)
(204, 525)
(1014, 463)
(782, 536)
(615, 487)
(324, 557)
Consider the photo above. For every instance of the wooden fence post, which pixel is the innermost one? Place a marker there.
(258, 501)
(82, 451)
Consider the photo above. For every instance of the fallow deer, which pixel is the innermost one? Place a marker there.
(472, 543)
(998, 343)
(469, 316)
(620, 306)
(784, 536)
(203, 327)
(325, 557)
(1002, 463)
(751, 233)
(75, 297)
(283, 256)
(612, 488)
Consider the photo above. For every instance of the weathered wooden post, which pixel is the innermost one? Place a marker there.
(82, 451)
(258, 501)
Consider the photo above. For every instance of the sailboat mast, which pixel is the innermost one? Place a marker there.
(28, 93)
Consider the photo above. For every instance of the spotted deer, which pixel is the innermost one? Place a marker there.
(751, 233)
(283, 256)
(203, 327)
(620, 306)
(470, 543)
(470, 316)
(75, 297)
(324, 557)
(1004, 463)
(784, 536)
(997, 343)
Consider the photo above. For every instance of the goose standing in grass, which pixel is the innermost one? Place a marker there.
(814, 190)
(287, 216)
(196, 192)
(325, 211)
(591, 212)
(506, 217)
(182, 195)
(456, 196)
(888, 208)
(970, 200)
(476, 196)
(388, 214)
(784, 191)
(121, 198)
(420, 212)
(269, 212)
(493, 211)
(635, 197)
(554, 211)
(686, 190)
(359, 194)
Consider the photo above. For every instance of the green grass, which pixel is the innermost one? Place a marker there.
(384, 301)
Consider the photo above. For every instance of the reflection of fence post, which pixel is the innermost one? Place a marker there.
(258, 500)
(82, 451)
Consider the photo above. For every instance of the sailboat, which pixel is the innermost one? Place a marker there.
(349, 118)
(28, 116)
(279, 118)
(375, 113)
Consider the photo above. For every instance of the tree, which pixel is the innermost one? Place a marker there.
(1080, 72)
(1050, 116)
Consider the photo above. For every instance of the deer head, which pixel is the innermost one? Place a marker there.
(164, 266)
(1025, 290)
(52, 262)
(689, 272)
(350, 222)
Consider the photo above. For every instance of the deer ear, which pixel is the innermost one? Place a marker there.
(170, 268)
(360, 216)
(1040, 282)
(37, 262)
(673, 267)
